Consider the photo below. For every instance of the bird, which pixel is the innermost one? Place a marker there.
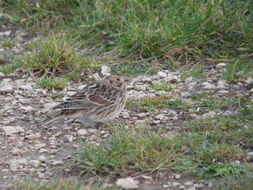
(94, 105)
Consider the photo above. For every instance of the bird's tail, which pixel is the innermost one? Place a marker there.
(51, 117)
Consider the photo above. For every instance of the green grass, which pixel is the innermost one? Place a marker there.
(7, 43)
(55, 83)
(206, 148)
(54, 55)
(185, 30)
(130, 150)
(222, 170)
(165, 86)
(244, 181)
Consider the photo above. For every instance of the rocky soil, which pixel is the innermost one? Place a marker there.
(43, 152)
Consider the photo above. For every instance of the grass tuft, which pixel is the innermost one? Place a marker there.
(54, 55)
(54, 83)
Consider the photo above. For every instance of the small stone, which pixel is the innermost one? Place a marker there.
(9, 130)
(125, 115)
(176, 184)
(35, 163)
(185, 94)
(140, 87)
(207, 115)
(181, 187)
(146, 79)
(161, 117)
(251, 91)
(33, 136)
(27, 108)
(41, 175)
(249, 156)
(57, 162)
(221, 65)
(127, 183)
(17, 151)
(177, 176)
(188, 183)
(5, 33)
(172, 78)
(105, 70)
(156, 122)
(199, 186)
(166, 186)
(70, 138)
(249, 81)
(208, 85)
(141, 115)
(39, 146)
(42, 158)
(7, 88)
(162, 74)
(82, 132)
(26, 87)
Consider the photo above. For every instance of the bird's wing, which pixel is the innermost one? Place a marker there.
(94, 95)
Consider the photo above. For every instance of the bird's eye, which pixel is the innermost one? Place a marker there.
(118, 79)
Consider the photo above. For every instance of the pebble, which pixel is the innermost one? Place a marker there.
(16, 151)
(249, 81)
(172, 78)
(207, 115)
(57, 162)
(221, 65)
(177, 176)
(125, 115)
(42, 158)
(26, 87)
(82, 132)
(39, 146)
(188, 183)
(185, 94)
(207, 85)
(162, 74)
(9, 130)
(127, 183)
(34, 163)
(105, 70)
(176, 184)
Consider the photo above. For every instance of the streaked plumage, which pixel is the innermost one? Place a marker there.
(96, 103)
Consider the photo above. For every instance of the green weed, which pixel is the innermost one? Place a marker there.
(221, 170)
(55, 83)
(53, 56)
(165, 86)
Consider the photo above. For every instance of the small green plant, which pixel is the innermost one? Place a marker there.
(56, 83)
(165, 86)
(221, 170)
(238, 182)
(186, 166)
(9, 68)
(53, 56)
(7, 43)
(151, 104)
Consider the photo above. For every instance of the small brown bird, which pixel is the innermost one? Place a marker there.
(95, 104)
